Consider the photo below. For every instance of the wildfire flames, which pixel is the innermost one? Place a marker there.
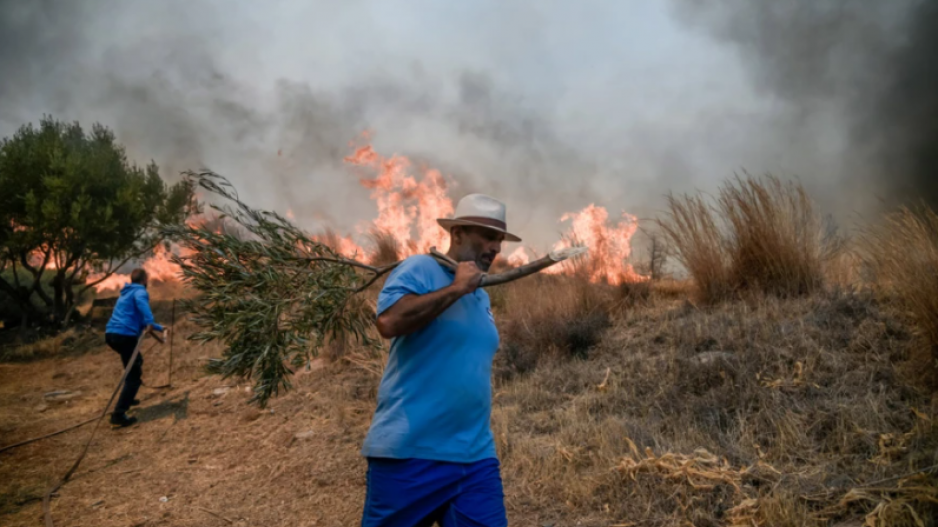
(408, 207)
(610, 246)
(159, 268)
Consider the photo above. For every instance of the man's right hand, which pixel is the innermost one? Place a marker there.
(413, 312)
(156, 334)
(468, 277)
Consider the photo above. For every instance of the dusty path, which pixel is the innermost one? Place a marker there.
(215, 460)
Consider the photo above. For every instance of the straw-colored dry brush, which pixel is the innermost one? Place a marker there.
(758, 234)
(777, 412)
(784, 400)
(902, 251)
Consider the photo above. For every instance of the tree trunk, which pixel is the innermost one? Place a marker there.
(36, 286)
(70, 303)
(22, 295)
(69, 294)
(58, 295)
(68, 316)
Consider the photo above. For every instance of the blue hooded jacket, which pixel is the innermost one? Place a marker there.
(132, 313)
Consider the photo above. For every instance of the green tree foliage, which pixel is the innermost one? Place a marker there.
(272, 294)
(72, 205)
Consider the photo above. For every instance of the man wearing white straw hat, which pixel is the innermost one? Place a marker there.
(431, 454)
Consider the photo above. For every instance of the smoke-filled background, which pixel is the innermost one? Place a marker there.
(548, 105)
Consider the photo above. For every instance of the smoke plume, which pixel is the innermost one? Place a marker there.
(550, 106)
(869, 65)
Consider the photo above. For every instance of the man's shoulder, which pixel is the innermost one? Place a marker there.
(418, 272)
(420, 259)
(417, 263)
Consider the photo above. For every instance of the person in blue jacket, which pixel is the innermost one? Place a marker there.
(130, 317)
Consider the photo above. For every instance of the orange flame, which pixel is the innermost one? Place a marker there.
(344, 245)
(114, 282)
(407, 209)
(159, 268)
(609, 246)
(518, 258)
(36, 258)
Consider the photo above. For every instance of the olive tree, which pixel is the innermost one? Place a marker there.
(73, 206)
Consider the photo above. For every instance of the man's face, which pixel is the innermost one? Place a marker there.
(477, 244)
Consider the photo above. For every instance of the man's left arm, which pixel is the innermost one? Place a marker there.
(143, 304)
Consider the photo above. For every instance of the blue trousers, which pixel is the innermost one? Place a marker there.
(419, 493)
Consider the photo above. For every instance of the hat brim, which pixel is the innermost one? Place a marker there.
(449, 224)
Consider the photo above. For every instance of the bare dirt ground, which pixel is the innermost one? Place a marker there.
(199, 456)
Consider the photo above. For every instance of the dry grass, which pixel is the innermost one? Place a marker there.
(768, 414)
(699, 244)
(548, 316)
(761, 235)
(670, 289)
(903, 254)
(198, 444)
(632, 294)
(778, 244)
(44, 348)
(385, 250)
(847, 271)
(612, 406)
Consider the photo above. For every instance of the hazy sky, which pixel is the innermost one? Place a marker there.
(549, 105)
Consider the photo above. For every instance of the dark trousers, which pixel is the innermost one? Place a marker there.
(125, 345)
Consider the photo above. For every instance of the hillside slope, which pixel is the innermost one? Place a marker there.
(767, 411)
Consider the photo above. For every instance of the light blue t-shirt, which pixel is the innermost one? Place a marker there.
(435, 399)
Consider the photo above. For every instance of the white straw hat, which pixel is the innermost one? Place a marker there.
(481, 211)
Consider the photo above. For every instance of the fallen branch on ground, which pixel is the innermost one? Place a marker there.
(57, 432)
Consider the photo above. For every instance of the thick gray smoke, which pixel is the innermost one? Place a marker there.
(869, 63)
(548, 105)
(191, 86)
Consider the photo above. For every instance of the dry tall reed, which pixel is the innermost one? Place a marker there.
(692, 228)
(760, 235)
(385, 249)
(902, 252)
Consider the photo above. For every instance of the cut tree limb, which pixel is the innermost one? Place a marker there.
(275, 295)
(489, 280)
(554, 257)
